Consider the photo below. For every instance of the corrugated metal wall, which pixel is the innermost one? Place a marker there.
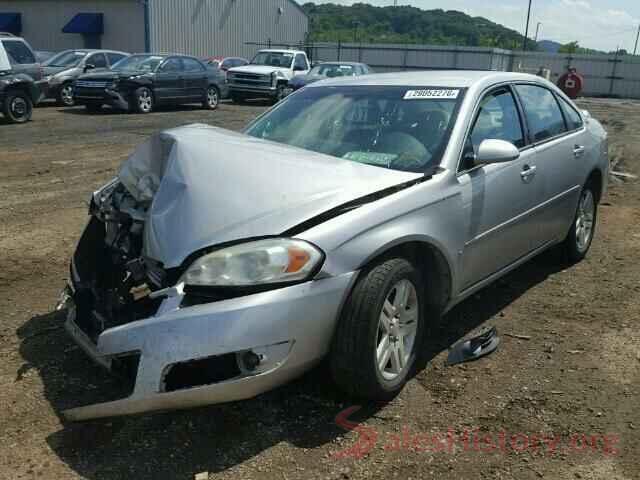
(394, 57)
(603, 74)
(42, 22)
(221, 27)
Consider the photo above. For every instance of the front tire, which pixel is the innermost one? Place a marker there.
(381, 331)
(17, 107)
(65, 96)
(279, 93)
(212, 98)
(143, 100)
(579, 239)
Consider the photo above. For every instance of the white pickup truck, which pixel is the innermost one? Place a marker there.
(268, 74)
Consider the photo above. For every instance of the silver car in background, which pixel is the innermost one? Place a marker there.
(62, 69)
(219, 265)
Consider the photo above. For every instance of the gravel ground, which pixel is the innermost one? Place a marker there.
(523, 411)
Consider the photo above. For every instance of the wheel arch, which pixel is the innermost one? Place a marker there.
(25, 86)
(430, 260)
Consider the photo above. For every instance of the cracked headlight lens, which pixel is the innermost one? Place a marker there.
(269, 261)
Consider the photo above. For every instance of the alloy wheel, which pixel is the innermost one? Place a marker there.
(212, 98)
(19, 107)
(66, 95)
(145, 100)
(397, 330)
(584, 220)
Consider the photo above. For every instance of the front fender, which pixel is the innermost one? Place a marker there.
(23, 81)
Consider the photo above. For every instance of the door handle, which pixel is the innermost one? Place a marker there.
(528, 172)
(578, 150)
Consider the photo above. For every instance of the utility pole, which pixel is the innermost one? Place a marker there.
(635, 49)
(526, 30)
(537, 30)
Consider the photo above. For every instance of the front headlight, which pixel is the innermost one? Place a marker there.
(269, 261)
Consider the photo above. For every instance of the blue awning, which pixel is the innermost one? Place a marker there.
(85, 23)
(11, 22)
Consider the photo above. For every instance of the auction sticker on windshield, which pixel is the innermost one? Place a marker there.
(437, 94)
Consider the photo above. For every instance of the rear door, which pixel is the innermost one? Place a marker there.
(497, 198)
(169, 84)
(21, 58)
(560, 148)
(195, 79)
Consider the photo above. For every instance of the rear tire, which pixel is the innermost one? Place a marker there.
(380, 333)
(212, 98)
(580, 236)
(17, 107)
(143, 100)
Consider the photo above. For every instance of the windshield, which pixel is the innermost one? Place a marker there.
(67, 59)
(333, 70)
(401, 128)
(273, 59)
(138, 63)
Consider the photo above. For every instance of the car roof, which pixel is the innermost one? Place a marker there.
(339, 63)
(439, 78)
(280, 50)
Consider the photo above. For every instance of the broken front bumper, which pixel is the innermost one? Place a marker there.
(287, 330)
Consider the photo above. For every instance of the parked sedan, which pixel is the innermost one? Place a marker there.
(342, 223)
(61, 70)
(140, 82)
(328, 70)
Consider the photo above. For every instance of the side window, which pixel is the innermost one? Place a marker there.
(98, 60)
(542, 111)
(18, 52)
(300, 62)
(498, 119)
(240, 62)
(114, 57)
(191, 65)
(172, 65)
(574, 120)
(227, 64)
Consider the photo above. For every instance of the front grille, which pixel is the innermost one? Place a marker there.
(250, 79)
(91, 84)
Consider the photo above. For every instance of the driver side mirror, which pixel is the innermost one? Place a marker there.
(495, 151)
(89, 66)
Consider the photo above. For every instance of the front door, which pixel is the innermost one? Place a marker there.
(498, 199)
(169, 82)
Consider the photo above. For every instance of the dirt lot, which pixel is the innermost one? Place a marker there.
(575, 371)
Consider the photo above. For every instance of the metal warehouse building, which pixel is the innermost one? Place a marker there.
(196, 27)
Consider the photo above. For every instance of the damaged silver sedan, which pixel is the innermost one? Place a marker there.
(341, 223)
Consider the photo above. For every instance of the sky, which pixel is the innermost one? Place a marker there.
(599, 24)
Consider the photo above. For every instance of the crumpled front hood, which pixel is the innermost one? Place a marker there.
(207, 186)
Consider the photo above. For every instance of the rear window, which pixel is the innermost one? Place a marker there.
(574, 120)
(543, 113)
(18, 52)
